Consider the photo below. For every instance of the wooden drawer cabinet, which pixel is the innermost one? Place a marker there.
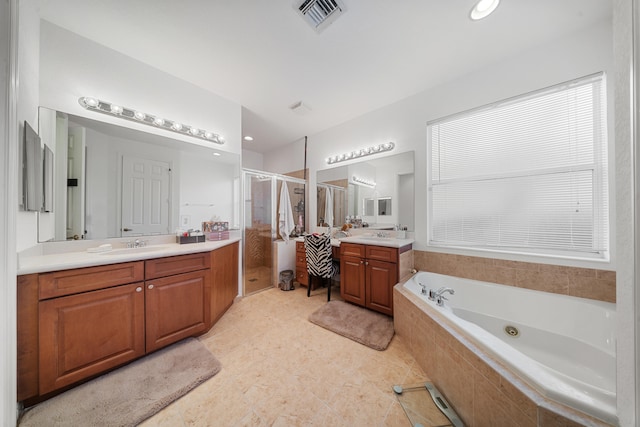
(368, 274)
(162, 267)
(67, 282)
(302, 276)
(78, 323)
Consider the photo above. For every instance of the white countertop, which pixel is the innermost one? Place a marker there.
(392, 242)
(40, 263)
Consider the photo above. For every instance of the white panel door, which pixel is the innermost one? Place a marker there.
(145, 196)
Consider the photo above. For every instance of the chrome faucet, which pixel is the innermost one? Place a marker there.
(424, 288)
(438, 295)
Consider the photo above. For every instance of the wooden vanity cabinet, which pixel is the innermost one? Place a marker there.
(89, 320)
(176, 289)
(302, 276)
(75, 324)
(84, 334)
(368, 274)
(224, 277)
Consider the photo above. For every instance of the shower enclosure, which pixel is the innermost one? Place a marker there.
(262, 195)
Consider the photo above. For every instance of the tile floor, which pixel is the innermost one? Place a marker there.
(278, 369)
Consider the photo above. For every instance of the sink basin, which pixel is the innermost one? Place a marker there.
(124, 251)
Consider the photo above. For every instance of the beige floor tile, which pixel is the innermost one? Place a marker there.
(279, 369)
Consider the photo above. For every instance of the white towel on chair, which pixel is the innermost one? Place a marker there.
(328, 207)
(286, 223)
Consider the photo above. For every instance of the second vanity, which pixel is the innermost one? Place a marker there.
(370, 266)
(81, 314)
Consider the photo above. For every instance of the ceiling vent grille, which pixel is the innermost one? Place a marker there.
(320, 13)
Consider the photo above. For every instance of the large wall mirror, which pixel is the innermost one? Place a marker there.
(379, 192)
(113, 181)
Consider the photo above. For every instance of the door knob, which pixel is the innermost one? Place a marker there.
(139, 289)
(127, 229)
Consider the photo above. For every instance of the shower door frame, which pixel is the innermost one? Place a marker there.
(274, 177)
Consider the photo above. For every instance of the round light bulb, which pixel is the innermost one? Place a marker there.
(248, 138)
(176, 126)
(138, 115)
(158, 121)
(194, 131)
(90, 102)
(483, 8)
(116, 109)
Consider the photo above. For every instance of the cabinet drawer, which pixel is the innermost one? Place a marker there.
(352, 249)
(382, 253)
(67, 282)
(301, 258)
(168, 266)
(302, 276)
(300, 247)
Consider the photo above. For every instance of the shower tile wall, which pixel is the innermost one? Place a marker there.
(574, 281)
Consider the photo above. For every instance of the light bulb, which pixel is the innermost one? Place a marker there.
(158, 121)
(176, 126)
(90, 102)
(116, 109)
(483, 8)
(138, 115)
(194, 131)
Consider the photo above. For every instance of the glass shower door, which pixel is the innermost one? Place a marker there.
(258, 232)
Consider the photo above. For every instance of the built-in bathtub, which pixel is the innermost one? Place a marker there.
(563, 347)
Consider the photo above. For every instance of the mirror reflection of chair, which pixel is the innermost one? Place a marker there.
(320, 262)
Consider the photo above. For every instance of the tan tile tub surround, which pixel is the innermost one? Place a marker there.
(574, 281)
(482, 391)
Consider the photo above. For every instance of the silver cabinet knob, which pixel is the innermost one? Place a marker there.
(150, 287)
(139, 289)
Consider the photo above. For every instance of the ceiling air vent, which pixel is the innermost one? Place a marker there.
(319, 13)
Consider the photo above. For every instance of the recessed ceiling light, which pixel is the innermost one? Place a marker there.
(248, 138)
(483, 8)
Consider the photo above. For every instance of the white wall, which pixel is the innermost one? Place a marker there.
(252, 160)
(28, 101)
(404, 122)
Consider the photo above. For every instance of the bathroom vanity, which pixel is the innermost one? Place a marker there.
(368, 273)
(370, 266)
(101, 311)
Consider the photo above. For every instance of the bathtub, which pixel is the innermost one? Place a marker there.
(562, 346)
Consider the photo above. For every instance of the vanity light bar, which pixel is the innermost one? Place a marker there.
(94, 104)
(365, 182)
(380, 148)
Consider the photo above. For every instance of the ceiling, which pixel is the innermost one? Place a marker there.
(262, 55)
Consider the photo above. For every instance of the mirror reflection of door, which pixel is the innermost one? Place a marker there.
(145, 196)
(76, 182)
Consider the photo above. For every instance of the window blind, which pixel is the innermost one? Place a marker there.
(528, 174)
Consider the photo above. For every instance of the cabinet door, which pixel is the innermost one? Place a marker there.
(175, 308)
(224, 286)
(352, 277)
(85, 334)
(381, 277)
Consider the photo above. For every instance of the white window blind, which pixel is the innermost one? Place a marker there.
(526, 175)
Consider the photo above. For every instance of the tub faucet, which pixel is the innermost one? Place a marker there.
(424, 289)
(439, 297)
